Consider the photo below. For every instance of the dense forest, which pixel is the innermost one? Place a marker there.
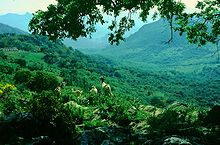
(147, 107)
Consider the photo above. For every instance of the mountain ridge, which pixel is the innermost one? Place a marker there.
(8, 29)
(99, 38)
(16, 20)
(148, 47)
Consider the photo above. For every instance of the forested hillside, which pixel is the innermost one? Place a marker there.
(148, 49)
(39, 104)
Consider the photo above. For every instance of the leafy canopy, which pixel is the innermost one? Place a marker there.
(77, 18)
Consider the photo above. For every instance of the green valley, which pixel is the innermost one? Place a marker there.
(33, 112)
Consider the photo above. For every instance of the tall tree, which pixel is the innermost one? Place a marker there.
(77, 18)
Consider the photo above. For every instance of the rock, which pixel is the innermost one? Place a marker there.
(94, 136)
(148, 142)
(42, 140)
(104, 136)
(107, 142)
(151, 109)
(178, 105)
(176, 141)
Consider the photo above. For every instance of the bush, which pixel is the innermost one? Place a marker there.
(51, 58)
(177, 118)
(116, 110)
(45, 107)
(8, 98)
(44, 81)
(3, 55)
(37, 81)
(54, 120)
(21, 62)
(6, 68)
(23, 76)
(36, 66)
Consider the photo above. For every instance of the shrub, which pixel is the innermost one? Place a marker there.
(116, 110)
(45, 107)
(177, 118)
(54, 120)
(6, 68)
(75, 112)
(22, 76)
(21, 62)
(8, 98)
(44, 81)
(51, 58)
(3, 55)
(36, 66)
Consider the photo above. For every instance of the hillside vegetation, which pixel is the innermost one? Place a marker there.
(147, 107)
(148, 49)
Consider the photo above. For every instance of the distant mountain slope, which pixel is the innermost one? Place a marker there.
(99, 38)
(16, 20)
(147, 49)
(21, 22)
(87, 43)
(8, 29)
(156, 33)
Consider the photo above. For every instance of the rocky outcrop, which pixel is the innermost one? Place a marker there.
(105, 136)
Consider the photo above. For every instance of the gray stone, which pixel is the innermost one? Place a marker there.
(176, 141)
(107, 142)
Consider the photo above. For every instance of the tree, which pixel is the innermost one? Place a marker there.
(44, 81)
(202, 26)
(77, 18)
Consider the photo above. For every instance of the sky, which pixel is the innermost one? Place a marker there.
(23, 6)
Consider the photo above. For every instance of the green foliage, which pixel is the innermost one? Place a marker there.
(115, 109)
(45, 107)
(157, 101)
(32, 43)
(37, 81)
(13, 101)
(6, 68)
(55, 120)
(35, 66)
(63, 119)
(176, 118)
(74, 19)
(23, 76)
(3, 55)
(201, 26)
(51, 58)
(75, 111)
(44, 81)
(21, 62)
